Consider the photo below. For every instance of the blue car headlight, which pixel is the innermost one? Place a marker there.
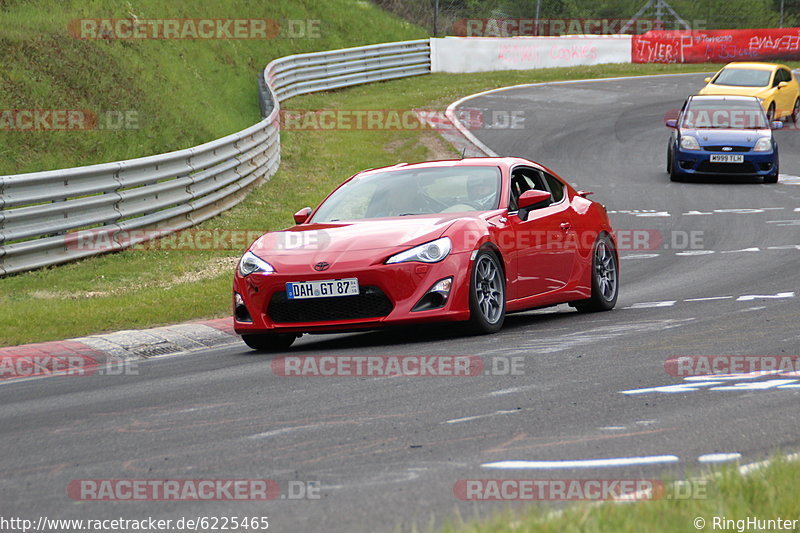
(764, 144)
(430, 252)
(689, 143)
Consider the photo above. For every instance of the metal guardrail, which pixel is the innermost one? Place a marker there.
(44, 214)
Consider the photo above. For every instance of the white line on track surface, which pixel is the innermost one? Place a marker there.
(476, 417)
(584, 463)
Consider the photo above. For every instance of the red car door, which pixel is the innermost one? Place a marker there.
(544, 243)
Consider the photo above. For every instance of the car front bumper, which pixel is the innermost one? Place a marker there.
(698, 163)
(388, 295)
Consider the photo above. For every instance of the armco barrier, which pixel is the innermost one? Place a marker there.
(716, 46)
(41, 211)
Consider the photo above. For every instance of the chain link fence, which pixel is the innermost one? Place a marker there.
(506, 18)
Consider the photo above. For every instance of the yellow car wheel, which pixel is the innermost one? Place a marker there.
(771, 112)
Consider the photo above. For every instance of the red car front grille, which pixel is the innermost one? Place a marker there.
(371, 302)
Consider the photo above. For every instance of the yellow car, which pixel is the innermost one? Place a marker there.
(773, 84)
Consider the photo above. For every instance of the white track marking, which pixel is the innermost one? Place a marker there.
(743, 470)
(585, 463)
(778, 296)
(695, 212)
(695, 252)
(671, 389)
(476, 417)
(698, 253)
(757, 385)
(746, 469)
(512, 390)
(726, 382)
(742, 250)
(647, 305)
(281, 431)
(656, 214)
(525, 344)
(734, 377)
(719, 457)
(639, 256)
(742, 298)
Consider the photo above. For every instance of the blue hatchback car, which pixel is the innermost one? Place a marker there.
(722, 136)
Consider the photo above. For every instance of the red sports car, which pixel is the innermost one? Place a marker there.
(464, 240)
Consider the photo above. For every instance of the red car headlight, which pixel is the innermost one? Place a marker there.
(430, 252)
(250, 263)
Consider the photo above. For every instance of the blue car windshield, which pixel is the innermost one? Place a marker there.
(743, 77)
(727, 114)
(419, 191)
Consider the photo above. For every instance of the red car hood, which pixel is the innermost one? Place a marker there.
(378, 234)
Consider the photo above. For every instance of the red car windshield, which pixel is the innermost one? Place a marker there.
(418, 191)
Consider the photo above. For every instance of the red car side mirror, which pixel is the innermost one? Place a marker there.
(532, 199)
(302, 215)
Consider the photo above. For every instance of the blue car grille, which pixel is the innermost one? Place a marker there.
(726, 168)
(732, 148)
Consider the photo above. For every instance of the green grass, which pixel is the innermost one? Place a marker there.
(183, 92)
(765, 493)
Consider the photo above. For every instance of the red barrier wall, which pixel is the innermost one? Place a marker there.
(716, 46)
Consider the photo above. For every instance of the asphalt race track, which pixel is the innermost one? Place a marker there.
(387, 452)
